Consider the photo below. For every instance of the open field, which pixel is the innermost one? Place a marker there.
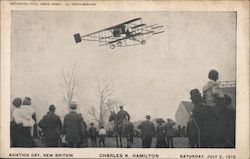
(179, 142)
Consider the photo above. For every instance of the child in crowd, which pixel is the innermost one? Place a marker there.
(93, 134)
(102, 135)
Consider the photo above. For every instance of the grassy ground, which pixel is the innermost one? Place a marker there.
(179, 142)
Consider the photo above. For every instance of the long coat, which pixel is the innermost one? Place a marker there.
(169, 129)
(160, 137)
(192, 130)
(147, 128)
(73, 127)
(122, 114)
(51, 125)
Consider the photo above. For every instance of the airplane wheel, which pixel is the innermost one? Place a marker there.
(112, 46)
(119, 44)
(143, 42)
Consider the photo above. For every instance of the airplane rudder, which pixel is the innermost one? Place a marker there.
(77, 38)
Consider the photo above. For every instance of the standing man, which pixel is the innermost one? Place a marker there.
(170, 133)
(147, 132)
(73, 127)
(51, 125)
(200, 116)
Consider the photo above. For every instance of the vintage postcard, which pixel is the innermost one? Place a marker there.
(125, 79)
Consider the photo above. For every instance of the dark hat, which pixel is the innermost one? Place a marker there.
(213, 74)
(27, 98)
(121, 106)
(148, 116)
(73, 105)
(92, 123)
(27, 101)
(52, 108)
(160, 120)
(195, 92)
(17, 102)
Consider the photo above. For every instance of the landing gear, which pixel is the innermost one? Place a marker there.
(112, 46)
(119, 44)
(143, 42)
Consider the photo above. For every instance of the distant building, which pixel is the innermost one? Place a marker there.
(183, 112)
(186, 107)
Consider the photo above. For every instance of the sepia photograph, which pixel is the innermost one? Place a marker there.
(123, 79)
(129, 79)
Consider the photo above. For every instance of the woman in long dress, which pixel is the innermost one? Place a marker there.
(20, 126)
(160, 134)
(16, 129)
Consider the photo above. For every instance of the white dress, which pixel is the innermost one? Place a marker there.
(26, 113)
(23, 115)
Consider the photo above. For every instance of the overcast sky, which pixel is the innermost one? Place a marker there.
(151, 79)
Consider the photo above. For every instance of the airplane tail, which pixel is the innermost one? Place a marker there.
(77, 38)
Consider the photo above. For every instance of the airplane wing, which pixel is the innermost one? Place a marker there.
(132, 37)
(134, 30)
(155, 29)
(138, 26)
(79, 38)
(127, 37)
(130, 21)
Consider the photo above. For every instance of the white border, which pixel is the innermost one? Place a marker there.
(242, 126)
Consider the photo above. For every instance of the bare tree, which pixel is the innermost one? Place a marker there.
(94, 113)
(104, 91)
(69, 84)
(111, 104)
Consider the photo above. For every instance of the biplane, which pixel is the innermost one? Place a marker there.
(129, 33)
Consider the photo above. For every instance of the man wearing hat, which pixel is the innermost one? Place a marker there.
(205, 119)
(123, 115)
(170, 132)
(199, 106)
(147, 132)
(73, 126)
(51, 125)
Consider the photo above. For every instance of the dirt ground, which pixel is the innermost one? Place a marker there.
(179, 142)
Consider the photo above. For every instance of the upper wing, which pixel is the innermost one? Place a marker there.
(100, 35)
(130, 21)
(110, 28)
